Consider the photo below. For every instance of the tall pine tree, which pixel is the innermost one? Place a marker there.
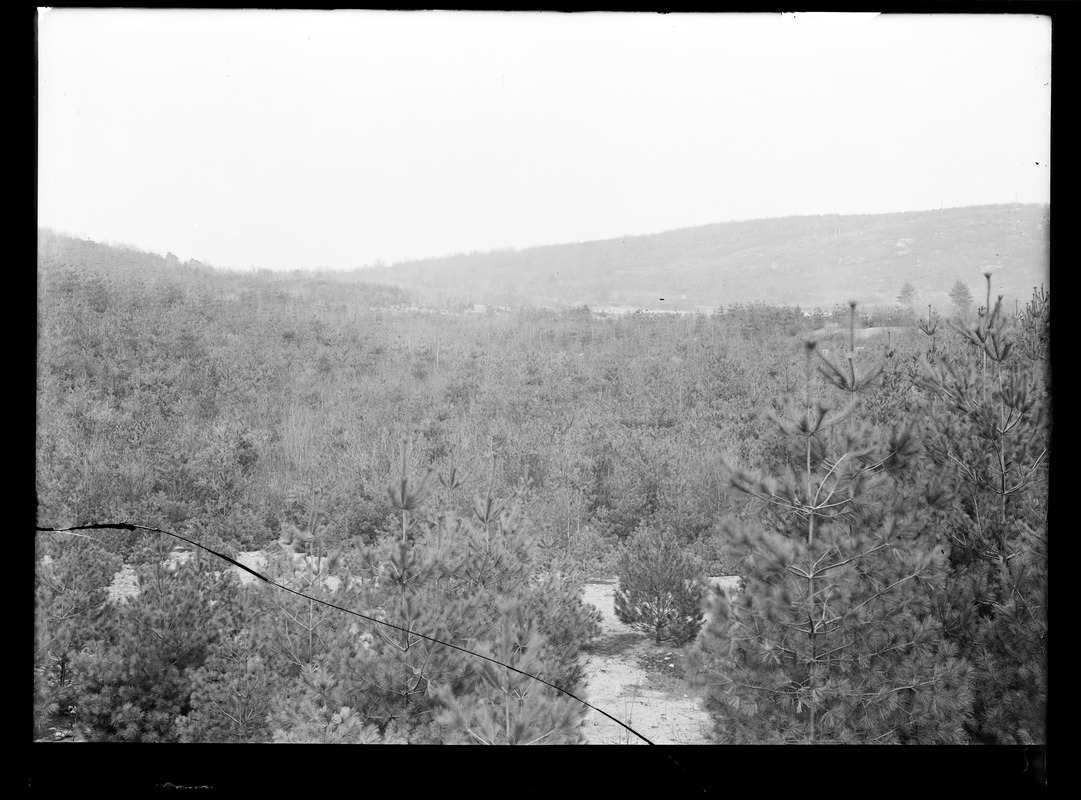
(988, 414)
(834, 638)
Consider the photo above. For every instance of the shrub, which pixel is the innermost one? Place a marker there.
(316, 714)
(555, 608)
(230, 692)
(70, 613)
(137, 683)
(660, 588)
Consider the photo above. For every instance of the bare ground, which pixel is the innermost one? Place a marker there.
(634, 680)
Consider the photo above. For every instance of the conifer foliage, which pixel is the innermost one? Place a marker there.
(472, 582)
(231, 692)
(988, 415)
(297, 631)
(834, 638)
(908, 295)
(510, 707)
(193, 657)
(319, 714)
(138, 682)
(961, 298)
(660, 587)
(71, 614)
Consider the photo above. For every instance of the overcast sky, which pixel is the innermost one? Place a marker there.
(286, 139)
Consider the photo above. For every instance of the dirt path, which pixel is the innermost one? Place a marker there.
(638, 682)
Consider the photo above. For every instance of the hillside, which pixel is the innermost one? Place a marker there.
(808, 261)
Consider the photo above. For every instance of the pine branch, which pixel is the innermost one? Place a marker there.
(864, 554)
(875, 596)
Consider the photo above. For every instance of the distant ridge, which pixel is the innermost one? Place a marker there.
(812, 261)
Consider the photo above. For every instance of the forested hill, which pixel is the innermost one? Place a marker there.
(809, 261)
(120, 274)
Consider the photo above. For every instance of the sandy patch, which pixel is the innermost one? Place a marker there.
(618, 683)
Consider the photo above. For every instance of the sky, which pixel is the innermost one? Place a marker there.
(336, 139)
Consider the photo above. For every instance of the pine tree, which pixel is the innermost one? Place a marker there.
(413, 590)
(231, 692)
(961, 298)
(1033, 330)
(318, 714)
(137, 684)
(299, 646)
(496, 555)
(554, 604)
(70, 614)
(989, 427)
(660, 587)
(452, 579)
(296, 630)
(908, 295)
(834, 639)
(509, 707)
(410, 583)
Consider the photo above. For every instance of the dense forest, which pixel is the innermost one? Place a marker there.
(882, 493)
